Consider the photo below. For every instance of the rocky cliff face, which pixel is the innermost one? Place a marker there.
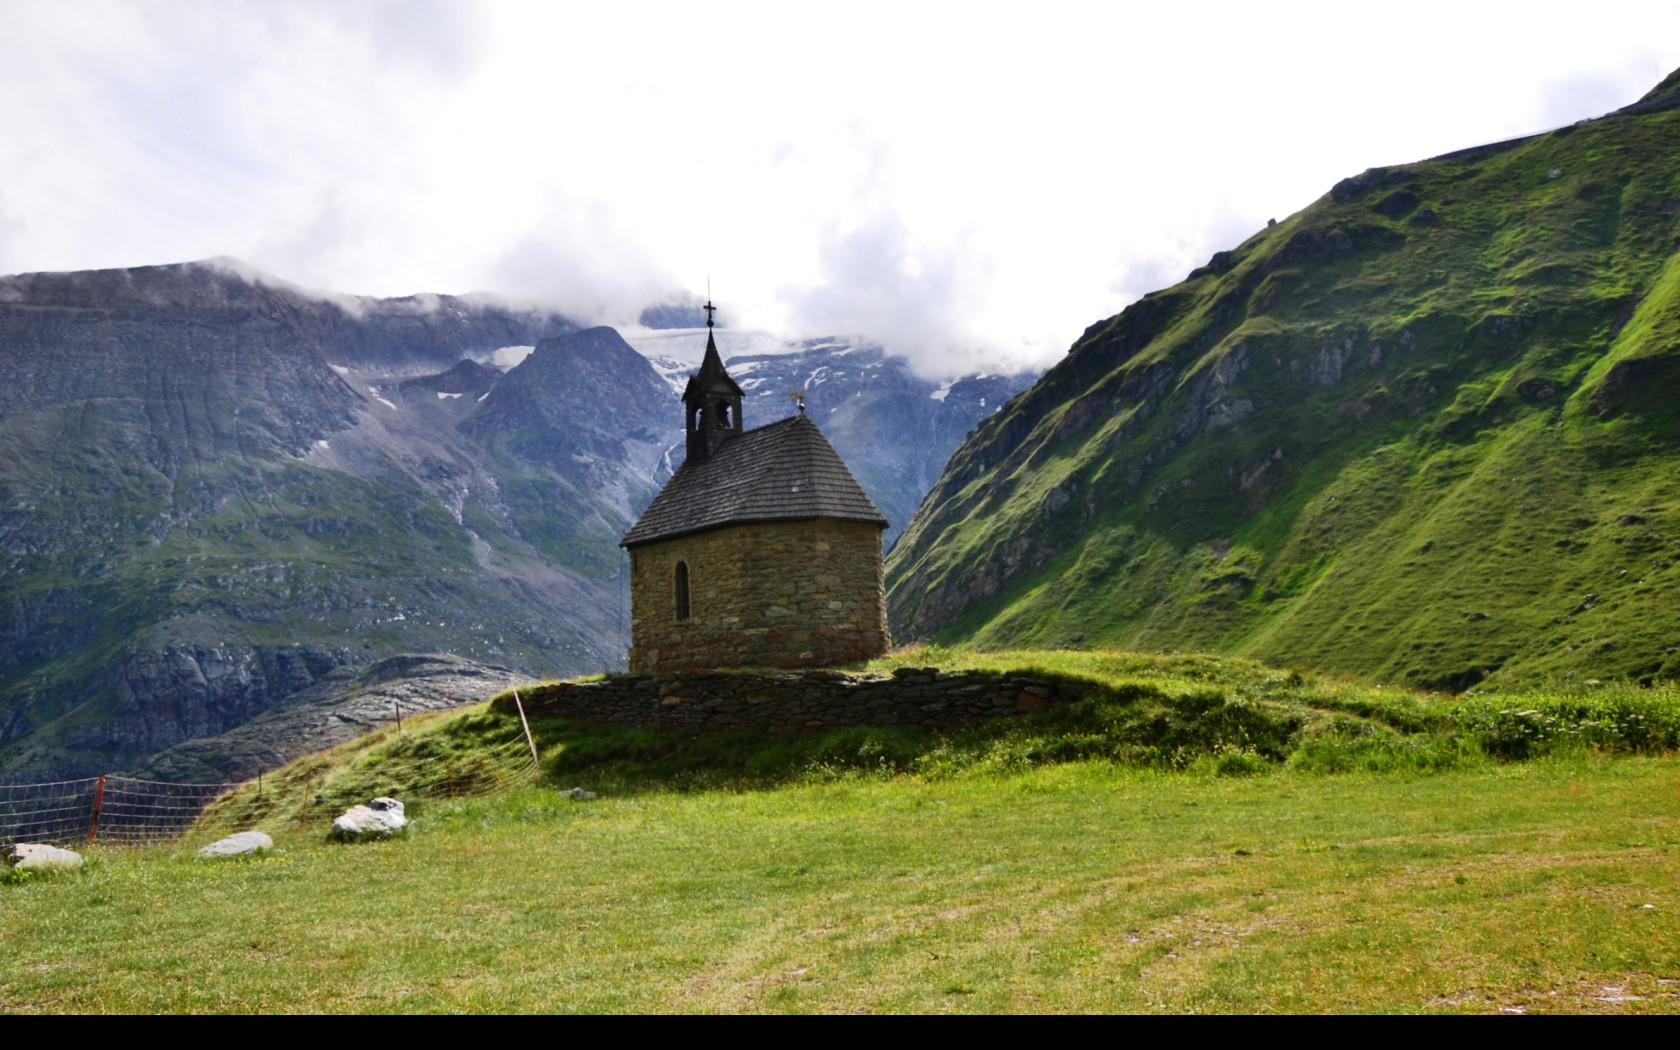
(339, 706)
(181, 545)
(219, 492)
(1425, 429)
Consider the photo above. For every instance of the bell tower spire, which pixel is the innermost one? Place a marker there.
(712, 401)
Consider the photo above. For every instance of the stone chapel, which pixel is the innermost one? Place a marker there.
(761, 551)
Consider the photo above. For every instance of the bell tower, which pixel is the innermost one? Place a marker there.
(712, 401)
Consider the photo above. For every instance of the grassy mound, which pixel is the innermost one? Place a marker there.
(1204, 714)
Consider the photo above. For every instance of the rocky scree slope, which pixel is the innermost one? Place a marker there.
(203, 512)
(1425, 430)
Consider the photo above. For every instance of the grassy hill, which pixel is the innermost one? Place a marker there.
(1426, 430)
(1211, 834)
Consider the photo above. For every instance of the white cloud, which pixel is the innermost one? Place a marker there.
(877, 283)
(966, 182)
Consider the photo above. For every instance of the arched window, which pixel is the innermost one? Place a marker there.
(723, 413)
(682, 590)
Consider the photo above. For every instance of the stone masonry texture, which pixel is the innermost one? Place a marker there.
(777, 594)
(706, 702)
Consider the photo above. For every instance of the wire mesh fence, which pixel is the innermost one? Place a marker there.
(128, 811)
(115, 809)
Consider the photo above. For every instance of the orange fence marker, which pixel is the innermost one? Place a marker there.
(98, 804)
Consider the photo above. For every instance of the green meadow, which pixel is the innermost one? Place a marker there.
(1208, 835)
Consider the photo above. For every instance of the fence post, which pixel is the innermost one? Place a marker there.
(98, 804)
(537, 773)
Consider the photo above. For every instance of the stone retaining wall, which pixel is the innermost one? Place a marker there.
(720, 701)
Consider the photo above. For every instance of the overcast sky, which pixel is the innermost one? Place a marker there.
(967, 182)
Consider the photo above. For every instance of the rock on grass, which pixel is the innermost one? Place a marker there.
(381, 818)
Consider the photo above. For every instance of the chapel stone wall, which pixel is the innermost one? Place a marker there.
(781, 594)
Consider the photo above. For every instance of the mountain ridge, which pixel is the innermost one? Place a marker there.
(1301, 451)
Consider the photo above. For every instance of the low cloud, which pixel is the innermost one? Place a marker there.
(967, 191)
(1171, 262)
(878, 283)
(579, 261)
(1590, 94)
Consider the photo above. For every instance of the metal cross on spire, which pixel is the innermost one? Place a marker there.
(710, 309)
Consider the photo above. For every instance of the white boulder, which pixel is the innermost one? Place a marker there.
(38, 855)
(380, 818)
(238, 845)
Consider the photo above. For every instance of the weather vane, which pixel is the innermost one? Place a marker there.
(796, 394)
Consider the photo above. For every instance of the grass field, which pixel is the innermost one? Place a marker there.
(1076, 887)
(1036, 865)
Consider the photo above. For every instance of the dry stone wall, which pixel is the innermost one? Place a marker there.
(722, 701)
(782, 594)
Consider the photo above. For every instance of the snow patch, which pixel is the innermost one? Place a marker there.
(441, 395)
(505, 357)
(672, 371)
(322, 445)
(944, 389)
(340, 369)
(484, 395)
(688, 345)
(386, 403)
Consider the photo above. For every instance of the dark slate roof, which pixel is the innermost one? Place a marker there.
(713, 377)
(782, 471)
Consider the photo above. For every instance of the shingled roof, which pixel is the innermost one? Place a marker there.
(782, 471)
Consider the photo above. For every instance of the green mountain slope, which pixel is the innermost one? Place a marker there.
(1427, 429)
